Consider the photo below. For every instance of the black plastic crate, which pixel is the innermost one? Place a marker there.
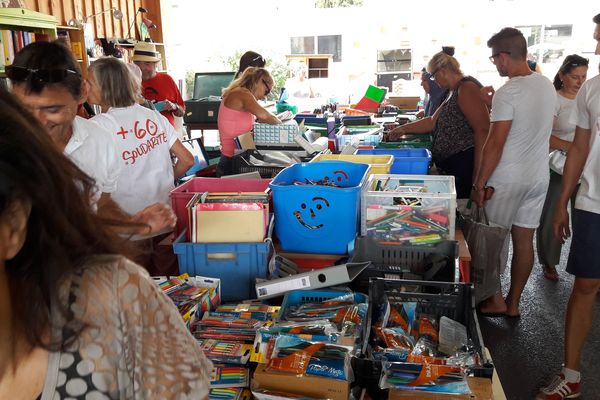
(437, 262)
(242, 164)
(450, 299)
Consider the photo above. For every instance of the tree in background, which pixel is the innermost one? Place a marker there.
(278, 70)
(338, 3)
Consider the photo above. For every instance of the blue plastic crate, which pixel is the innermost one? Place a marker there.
(406, 161)
(237, 265)
(297, 297)
(318, 219)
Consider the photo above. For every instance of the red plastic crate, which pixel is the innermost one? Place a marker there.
(182, 194)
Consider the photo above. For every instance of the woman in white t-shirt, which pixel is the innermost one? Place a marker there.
(145, 140)
(569, 78)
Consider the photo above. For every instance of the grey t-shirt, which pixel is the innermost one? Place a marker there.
(528, 101)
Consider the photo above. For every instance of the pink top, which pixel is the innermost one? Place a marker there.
(232, 123)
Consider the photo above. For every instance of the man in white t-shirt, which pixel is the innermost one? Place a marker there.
(515, 160)
(584, 256)
(47, 80)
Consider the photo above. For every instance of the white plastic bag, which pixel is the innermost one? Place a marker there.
(557, 161)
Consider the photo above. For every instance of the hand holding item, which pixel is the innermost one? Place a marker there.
(170, 106)
(161, 106)
(481, 195)
(561, 224)
(157, 218)
(487, 94)
(165, 105)
(396, 133)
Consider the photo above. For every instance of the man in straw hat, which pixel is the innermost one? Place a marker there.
(158, 87)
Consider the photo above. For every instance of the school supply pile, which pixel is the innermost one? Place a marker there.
(412, 209)
(425, 336)
(226, 336)
(315, 337)
(193, 296)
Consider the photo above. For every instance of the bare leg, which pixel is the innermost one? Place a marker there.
(522, 263)
(493, 305)
(579, 318)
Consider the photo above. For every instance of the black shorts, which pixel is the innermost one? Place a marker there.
(584, 256)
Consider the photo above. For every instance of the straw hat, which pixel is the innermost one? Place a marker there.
(145, 51)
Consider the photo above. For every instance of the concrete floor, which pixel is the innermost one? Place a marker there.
(529, 351)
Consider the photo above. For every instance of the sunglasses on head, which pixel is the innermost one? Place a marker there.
(258, 59)
(43, 75)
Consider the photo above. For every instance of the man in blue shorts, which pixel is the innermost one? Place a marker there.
(515, 160)
(583, 161)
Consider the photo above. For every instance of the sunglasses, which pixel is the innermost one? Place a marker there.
(42, 75)
(267, 87)
(432, 75)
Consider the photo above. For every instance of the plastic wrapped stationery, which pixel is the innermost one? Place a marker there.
(411, 209)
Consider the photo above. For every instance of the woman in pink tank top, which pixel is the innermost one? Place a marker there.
(239, 109)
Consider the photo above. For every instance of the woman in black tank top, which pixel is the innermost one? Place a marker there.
(460, 125)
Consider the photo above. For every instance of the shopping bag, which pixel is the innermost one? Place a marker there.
(486, 243)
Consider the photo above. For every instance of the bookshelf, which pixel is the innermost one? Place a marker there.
(19, 27)
(74, 39)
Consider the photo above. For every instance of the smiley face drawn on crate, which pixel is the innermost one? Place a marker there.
(340, 176)
(318, 204)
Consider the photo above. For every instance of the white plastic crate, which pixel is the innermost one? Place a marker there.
(370, 136)
(409, 209)
(275, 133)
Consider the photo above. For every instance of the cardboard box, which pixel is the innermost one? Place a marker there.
(311, 386)
(481, 389)
(404, 103)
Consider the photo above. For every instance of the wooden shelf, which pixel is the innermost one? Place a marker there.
(76, 40)
(22, 20)
(317, 64)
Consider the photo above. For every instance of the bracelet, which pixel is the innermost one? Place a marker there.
(476, 189)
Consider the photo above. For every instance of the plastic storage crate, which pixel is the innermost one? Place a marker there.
(368, 135)
(380, 164)
(406, 161)
(182, 194)
(412, 209)
(237, 265)
(317, 218)
(275, 133)
(297, 297)
(450, 299)
(409, 141)
(437, 262)
(242, 163)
